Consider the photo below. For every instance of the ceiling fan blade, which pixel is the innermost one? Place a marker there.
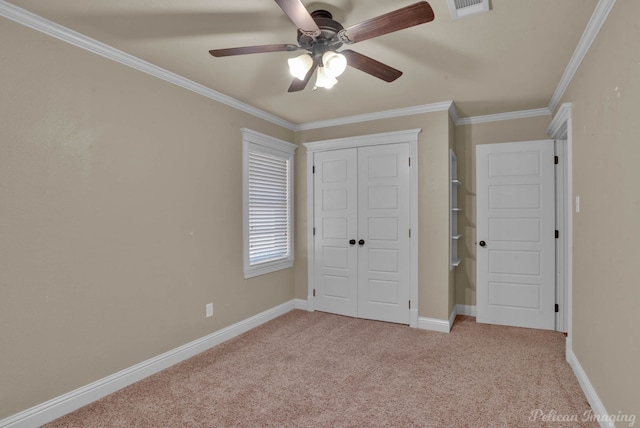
(406, 17)
(252, 49)
(298, 85)
(300, 16)
(371, 66)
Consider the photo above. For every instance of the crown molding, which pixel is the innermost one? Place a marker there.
(387, 114)
(65, 34)
(453, 112)
(558, 127)
(588, 36)
(522, 114)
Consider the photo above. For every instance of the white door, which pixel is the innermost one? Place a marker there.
(515, 200)
(361, 241)
(383, 225)
(336, 231)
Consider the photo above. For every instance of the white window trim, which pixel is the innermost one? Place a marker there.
(252, 140)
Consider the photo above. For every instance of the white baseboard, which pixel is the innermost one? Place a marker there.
(468, 310)
(300, 304)
(66, 403)
(594, 401)
(434, 324)
(444, 326)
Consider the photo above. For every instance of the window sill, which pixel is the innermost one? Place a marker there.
(261, 269)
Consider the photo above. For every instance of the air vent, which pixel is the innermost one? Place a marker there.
(464, 8)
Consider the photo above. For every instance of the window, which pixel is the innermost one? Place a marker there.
(267, 203)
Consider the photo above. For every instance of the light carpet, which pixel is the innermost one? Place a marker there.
(312, 369)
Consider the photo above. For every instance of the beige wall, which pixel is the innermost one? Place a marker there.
(433, 193)
(121, 207)
(605, 93)
(466, 139)
(121, 204)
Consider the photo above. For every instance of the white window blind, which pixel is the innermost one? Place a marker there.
(268, 208)
(268, 203)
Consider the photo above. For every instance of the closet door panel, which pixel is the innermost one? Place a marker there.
(383, 225)
(335, 206)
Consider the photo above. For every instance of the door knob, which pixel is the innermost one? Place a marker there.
(352, 242)
(483, 244)
(361, 242)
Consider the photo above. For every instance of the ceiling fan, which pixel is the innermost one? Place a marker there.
(321, 37)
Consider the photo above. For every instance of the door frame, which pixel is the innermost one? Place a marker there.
(560, 129)
(560, 150)
(409, 136)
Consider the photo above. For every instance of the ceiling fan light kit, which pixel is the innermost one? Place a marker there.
(324, 79)
(334, 63)
(300, 66)
(321, 37)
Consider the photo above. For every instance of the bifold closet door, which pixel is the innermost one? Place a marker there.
(361, 241)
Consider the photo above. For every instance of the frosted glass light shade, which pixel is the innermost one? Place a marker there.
(323, 80)
(334, 63)
(300, 66)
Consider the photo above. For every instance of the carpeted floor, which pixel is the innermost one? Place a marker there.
(321, 370)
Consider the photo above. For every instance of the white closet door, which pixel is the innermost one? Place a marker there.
(362, 244)
(383, 227)
(336, 260)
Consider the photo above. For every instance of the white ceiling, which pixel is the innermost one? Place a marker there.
(509, 59)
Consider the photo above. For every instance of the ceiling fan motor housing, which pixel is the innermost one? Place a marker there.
(328, 38)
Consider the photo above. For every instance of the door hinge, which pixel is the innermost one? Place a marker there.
(557, 308)
(313, 169)
(557, 234)
(409, 304)
(409, 233)
(314, 231)
(409, 161)
(556, 160)
(314, 292)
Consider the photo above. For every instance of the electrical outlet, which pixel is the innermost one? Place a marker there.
(209, 310)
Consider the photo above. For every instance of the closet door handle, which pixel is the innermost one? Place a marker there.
(361, 242)
(352, 242)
